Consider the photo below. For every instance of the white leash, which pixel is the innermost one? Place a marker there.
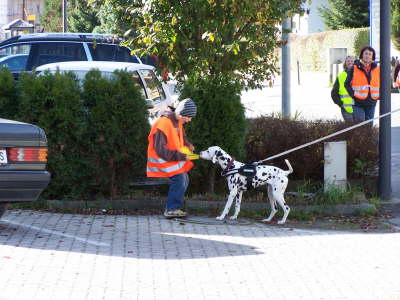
(327, 137)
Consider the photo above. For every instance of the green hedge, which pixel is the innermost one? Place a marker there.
(8, 94)
(270, 135)
(97, 133)
(97, 129)
(220, 121)
(312, 50)
(117, 131)
(53, 103)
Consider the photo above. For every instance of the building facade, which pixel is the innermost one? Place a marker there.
(311, 21)
(26, 10)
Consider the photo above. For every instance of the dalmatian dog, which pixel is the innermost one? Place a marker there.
(276, 180)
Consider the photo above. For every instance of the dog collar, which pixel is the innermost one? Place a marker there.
(226, 170)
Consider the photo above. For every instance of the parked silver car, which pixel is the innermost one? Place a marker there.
(157, 94)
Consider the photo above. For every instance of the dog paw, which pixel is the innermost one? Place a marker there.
(220, 218)
(281, 222)
(266, 220)
(233, 217)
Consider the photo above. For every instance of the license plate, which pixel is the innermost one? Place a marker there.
(3, 156)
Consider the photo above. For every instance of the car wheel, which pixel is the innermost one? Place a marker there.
(3, 208)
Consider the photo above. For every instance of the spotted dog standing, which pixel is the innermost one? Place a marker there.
(275, 178)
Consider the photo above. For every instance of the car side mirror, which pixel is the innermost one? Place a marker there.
(149, 103)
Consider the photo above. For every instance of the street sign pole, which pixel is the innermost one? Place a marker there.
(64, 9)
(285, 70)
(384, 188)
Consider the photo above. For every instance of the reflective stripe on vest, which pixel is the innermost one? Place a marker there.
(170, 169)
(158, 167)
(156, 160)
(361, 86)
(344, 96)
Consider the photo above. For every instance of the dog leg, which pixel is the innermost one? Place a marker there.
(232, 195)
(272, 202)
(237, 205)
(286, 209)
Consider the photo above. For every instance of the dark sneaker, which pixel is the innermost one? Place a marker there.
(175, 213)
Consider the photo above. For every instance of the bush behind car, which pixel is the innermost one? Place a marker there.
(97, 131)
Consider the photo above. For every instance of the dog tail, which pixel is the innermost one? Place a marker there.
(290, 167)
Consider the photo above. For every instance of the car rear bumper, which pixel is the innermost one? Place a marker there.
(22, 186)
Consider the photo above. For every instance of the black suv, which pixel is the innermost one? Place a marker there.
(26, 52)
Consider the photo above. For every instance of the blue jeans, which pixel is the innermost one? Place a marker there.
(176, 192)
(363, 113)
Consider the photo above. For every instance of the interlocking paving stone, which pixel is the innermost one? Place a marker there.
(65, 256)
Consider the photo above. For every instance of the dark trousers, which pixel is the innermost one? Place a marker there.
(176, 192)
(363, 113)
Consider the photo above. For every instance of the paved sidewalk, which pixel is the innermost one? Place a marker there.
(63, 256)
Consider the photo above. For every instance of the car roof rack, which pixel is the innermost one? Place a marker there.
(67, 36)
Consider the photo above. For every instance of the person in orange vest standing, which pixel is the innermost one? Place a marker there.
(396, 76)
(165, 155)
(362, 84)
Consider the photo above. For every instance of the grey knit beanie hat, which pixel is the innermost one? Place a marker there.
(186, 108)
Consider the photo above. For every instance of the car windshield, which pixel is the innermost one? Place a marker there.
(155, 91)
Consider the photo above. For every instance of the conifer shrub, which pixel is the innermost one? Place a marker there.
(52, 101)
(117, 130)
(220, 121)
(96, 129)
(270, 135)
(8, 94)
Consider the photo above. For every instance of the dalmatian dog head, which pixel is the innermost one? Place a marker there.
(215, 154)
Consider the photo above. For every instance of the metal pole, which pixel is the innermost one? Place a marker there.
(298, 72)
(64, 13)
(384, 188)
(285, 68)
(23, 10)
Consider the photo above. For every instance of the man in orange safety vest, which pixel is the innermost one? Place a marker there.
(165, 155)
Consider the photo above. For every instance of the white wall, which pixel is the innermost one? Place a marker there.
(311, 21)
(32, 7)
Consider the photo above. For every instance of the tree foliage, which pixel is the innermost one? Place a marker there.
(395, 10)
(341, 14)
(81, 16)
(51, 19)
(232, 37)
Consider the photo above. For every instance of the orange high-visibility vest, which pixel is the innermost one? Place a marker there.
(361, 86)
(158, 167)
(397, 84)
